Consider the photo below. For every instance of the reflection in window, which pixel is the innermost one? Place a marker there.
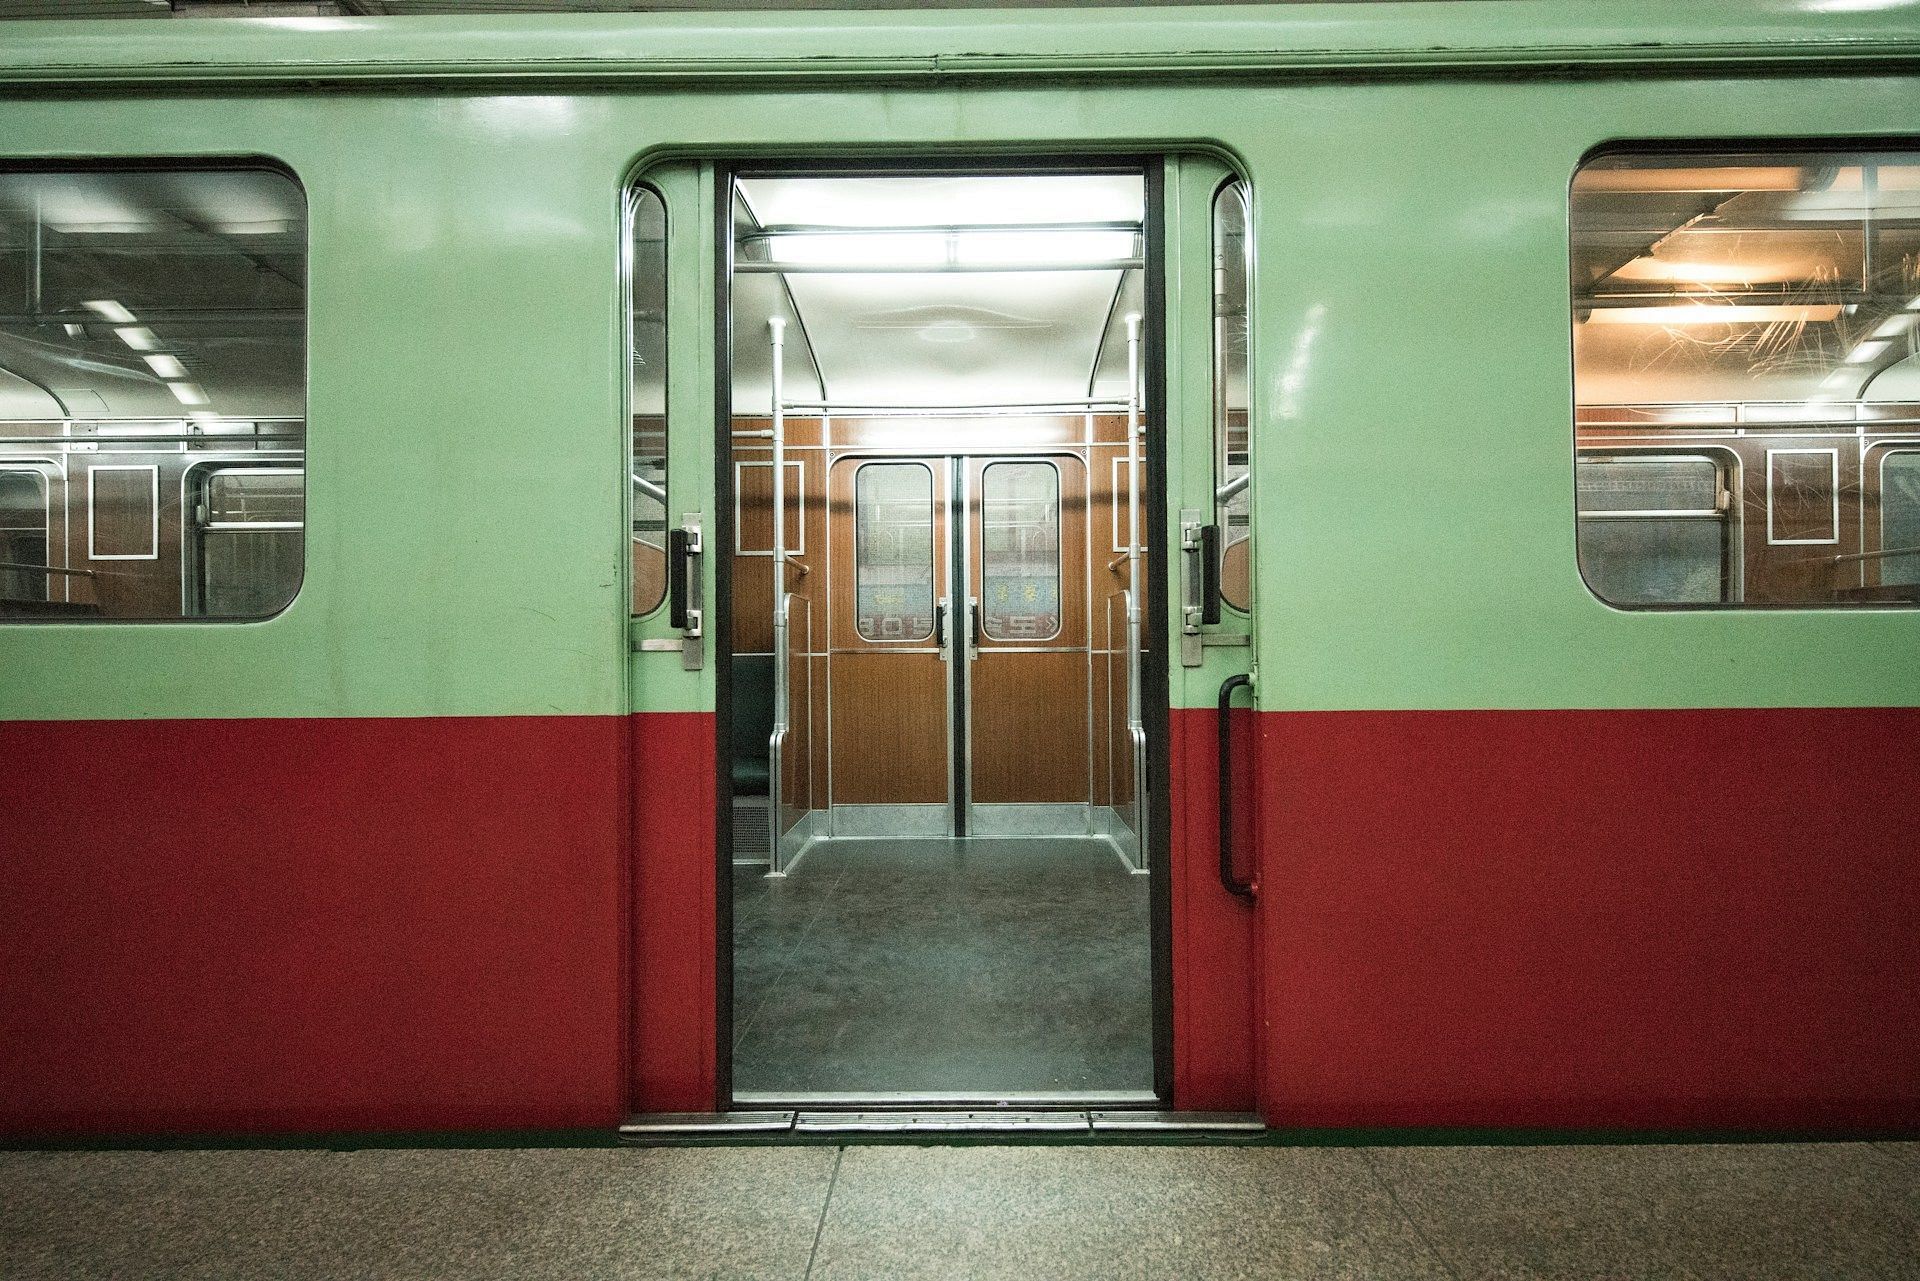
(1230, 437)
(24, 535)
(1651, 530)
(893, 551)
(647, 283)
(158, 333)
(1766, 307)
(252, 539)
(1900, 519)
(1020, 551)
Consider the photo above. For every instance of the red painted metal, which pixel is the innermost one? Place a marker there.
(1214, 972)
(311, 924)
(675, 920)
(1591, 918)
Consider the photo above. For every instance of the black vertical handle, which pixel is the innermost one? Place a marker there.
(679, 562)
(940, 625)
(973, 621)
(1234, 885)
(1210, 573)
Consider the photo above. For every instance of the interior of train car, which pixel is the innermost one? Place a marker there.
(152, 387)
(1745, 330)
(937, 746)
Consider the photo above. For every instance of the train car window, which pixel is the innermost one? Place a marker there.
(25, 533)
(893, 551)
(1020, 551)
(1653, 529)
(1231, 440)
(647, 288)
(1762, 308)
(1900, 518)
(159, 331)
(251, 526)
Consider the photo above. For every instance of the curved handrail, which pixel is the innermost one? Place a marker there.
(1245, 890)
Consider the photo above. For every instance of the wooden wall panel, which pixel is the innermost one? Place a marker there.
(1030, 727)
(889, 730)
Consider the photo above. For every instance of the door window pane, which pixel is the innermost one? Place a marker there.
(647, 510)
(252, 541)
(1231, 441)
(23, 538)
(1900, 518)
(1020, 551)
(1651, 531)
(893, 551)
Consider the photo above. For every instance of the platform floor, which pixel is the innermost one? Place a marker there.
(952, 968)
(903, 1211)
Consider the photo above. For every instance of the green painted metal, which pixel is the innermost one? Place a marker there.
(1412, 391)
(1396, 38)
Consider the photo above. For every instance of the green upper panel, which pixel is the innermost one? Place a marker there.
(983, 40)
(1411, 377)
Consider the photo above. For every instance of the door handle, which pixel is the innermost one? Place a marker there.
(683, 589)
(1244, 890)
(973, 626)
(940, 626)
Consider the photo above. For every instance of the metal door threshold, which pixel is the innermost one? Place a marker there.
(940, 1121)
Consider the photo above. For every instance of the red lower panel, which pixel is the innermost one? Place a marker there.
(1214, 977)
(279, 925)
(1591, 918)
(674, 914)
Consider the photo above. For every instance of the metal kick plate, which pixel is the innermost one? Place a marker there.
(994, 1120)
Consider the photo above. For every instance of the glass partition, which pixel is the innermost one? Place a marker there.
(1020, 551)
(893, 551)
(647, 300)
(1231, 441)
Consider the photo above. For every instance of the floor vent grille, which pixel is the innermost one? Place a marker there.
(752, 832)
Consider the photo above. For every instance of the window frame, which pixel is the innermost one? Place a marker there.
(1239, 186)
(635, 189)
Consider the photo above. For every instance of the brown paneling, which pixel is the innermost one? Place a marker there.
(1236, 565)
(1029, 726)
(889, 728)
(649, 575)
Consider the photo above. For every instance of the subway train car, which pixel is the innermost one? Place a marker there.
(1322, 566)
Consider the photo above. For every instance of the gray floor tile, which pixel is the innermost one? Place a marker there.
(1663, 1211)
(525, 1214)
(1113, 1213)
(1909, 1152)
(944, 966)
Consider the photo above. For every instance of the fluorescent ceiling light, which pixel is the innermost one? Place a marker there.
(1894, 326)
(138, 338)
(109, 310)
(1707, 313)
(166, 366)
(1700, 273)
(868, 249)
(1042, 248)
(939, 248)
(1867, 352)
(188, 393)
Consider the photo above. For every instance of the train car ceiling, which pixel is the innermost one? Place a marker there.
(940, 291)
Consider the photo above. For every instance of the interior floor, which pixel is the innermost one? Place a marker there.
(943, 967)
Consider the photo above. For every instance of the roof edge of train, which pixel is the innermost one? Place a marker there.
(1523, 36)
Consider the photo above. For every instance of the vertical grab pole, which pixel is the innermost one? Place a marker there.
(1136, 723)
(777, 327)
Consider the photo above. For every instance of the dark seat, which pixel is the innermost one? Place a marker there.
(752, 723)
